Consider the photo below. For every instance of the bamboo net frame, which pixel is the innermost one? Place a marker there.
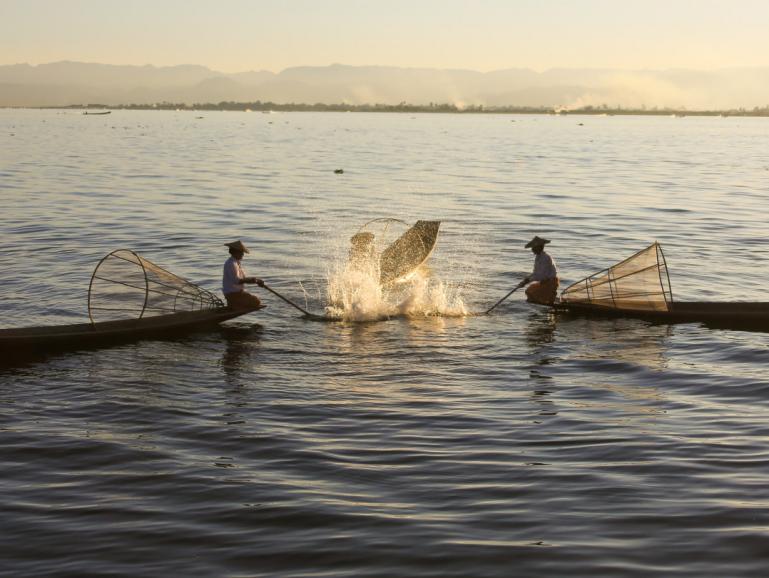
(125, 285)
(639, 283)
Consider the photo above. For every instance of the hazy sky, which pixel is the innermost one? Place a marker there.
(239, 35)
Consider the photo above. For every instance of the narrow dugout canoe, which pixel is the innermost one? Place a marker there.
(751, 316)
(42, 339)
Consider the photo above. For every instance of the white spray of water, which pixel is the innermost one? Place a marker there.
(354, 294)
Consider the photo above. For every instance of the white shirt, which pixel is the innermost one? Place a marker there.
(233, 272)
(544, 268)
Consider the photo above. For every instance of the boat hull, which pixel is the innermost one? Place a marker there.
(751, 316)
(44, 339)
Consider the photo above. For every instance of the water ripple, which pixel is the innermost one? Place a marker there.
(519, 443)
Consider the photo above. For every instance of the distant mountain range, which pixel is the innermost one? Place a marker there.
(73, 83)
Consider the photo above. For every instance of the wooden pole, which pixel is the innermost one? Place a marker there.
(503, 298)
(307, 313)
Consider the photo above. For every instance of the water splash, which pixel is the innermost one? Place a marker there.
(355, 294)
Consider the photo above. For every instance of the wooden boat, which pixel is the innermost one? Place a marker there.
(97, 113)
(129, 297)
(639, 287)
(748, 315)
(42, 339)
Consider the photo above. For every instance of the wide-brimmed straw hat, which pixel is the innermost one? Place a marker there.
(237, 245)
(536, 242)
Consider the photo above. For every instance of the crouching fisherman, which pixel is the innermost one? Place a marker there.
(234, 280)
(543, 281)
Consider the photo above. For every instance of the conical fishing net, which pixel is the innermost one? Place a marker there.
(640, 283)
(127, 286)
(408, 252)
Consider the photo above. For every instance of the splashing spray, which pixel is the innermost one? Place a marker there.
(355, 294)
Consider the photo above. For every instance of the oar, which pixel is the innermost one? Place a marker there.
(503, 298)
(287, 300)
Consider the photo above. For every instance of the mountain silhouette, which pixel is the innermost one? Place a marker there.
(75, 83)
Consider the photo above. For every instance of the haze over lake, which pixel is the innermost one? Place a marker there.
(78, 83)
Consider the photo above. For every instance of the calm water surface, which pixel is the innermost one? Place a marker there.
(518, 444)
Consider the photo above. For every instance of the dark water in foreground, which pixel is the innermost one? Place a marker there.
(519, 444)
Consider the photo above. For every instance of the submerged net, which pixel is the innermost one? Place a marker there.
(640, 283)
(127, 286)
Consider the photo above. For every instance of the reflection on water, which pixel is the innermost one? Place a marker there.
(540, 333)
(632, 341)
(600, 348)
(540, 329)
(241, 343)
(621, 361)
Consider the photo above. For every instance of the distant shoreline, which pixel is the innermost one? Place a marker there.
(259, 106)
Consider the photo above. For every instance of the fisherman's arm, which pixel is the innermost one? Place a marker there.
(543, 264)
(251, 280)
(533, 276)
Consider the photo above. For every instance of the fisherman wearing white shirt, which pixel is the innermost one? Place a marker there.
(544, 278)
(234, 280)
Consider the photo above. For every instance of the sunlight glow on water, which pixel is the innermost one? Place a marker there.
(521, 443)
(357, 295)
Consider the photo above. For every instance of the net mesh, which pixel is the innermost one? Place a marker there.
(128, 286)
(408, 252)
(639, 283)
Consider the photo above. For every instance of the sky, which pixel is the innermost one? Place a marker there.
(483, 35)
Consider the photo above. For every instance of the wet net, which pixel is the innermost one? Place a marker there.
(640, 283)
(128, 286)
(408, 252)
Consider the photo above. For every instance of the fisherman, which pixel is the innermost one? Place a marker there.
(544, 278)
(234, 280)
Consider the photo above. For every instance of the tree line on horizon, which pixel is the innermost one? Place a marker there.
(403, 107)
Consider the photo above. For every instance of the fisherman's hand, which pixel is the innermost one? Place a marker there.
(259, 282)
(524, 282)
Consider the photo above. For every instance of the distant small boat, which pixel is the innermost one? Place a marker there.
(98, 113)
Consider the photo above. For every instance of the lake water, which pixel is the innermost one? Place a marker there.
(517, 444)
